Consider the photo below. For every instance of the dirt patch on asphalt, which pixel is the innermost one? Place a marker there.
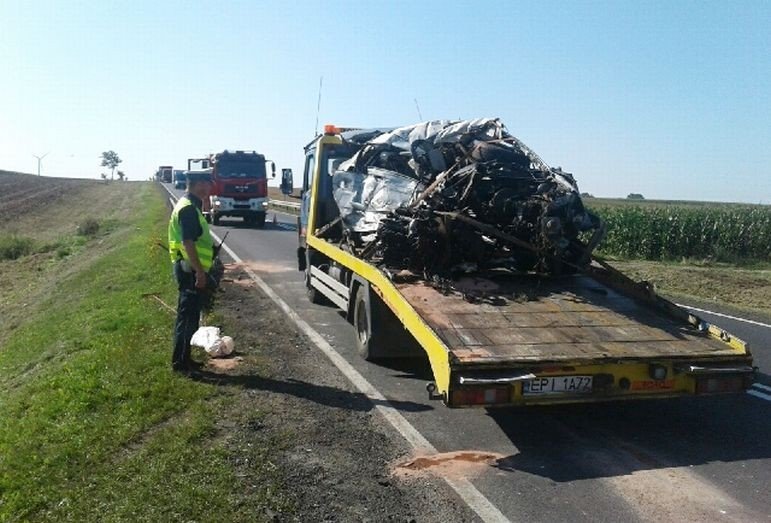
(458, 464)
(336, 451)
(269, 267)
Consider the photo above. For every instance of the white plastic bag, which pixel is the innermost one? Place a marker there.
(209, 339)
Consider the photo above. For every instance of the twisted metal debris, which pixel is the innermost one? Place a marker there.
(443, 198)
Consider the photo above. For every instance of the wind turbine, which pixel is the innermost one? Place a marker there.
(39, 160)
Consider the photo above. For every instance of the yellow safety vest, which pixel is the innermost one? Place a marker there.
(204, 245)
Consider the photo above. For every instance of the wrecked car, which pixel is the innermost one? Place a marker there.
(443, 198)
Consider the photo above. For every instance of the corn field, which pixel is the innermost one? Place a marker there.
(667, 232)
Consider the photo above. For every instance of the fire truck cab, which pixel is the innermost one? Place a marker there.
(240, 185)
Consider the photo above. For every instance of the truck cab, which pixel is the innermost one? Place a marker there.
(240, 186)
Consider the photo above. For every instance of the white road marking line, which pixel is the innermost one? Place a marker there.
(760, 395)
(721, 315)
(284, 213)
(761, 386)
(465, 489)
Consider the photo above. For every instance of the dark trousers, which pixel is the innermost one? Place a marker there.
(188, 315)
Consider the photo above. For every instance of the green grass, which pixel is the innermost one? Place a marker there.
(94, 425)
(13, 247)
(718, 284)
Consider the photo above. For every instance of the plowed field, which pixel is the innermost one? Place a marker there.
(24, 193)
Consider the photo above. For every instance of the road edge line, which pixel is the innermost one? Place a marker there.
(758, 394)
(727, 316)
(470, 495)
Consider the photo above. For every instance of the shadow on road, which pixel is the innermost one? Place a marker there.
(322, 394)
(415, 368)
(569, 443)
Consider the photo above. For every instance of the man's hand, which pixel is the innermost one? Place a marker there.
(200, 280)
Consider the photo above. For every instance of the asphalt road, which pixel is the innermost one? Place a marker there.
(697, 459)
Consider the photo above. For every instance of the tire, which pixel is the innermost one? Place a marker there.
(368, 339)
(314, 296)
(259, 220)
(215, 219)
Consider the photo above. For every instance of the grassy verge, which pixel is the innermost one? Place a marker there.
(741, 288)
(94, 425)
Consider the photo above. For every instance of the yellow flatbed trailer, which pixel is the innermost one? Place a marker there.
(530, 339)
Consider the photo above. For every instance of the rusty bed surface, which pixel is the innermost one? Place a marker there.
(526, 319)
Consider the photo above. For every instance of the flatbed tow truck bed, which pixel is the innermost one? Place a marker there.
(571, 318)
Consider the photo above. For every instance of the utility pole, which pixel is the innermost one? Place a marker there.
(39, 160)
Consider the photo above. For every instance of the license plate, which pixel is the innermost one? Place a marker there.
(558, 385)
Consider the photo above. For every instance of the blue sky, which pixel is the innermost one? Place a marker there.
(668, 99)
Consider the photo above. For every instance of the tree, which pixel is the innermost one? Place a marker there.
(635, 196)
(112, 160)
(121, 175)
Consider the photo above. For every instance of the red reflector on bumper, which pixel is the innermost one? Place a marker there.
(480, 396)
(718, 384)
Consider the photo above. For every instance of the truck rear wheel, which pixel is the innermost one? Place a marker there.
(369, 340)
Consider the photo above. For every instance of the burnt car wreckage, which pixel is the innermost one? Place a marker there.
(442, 199)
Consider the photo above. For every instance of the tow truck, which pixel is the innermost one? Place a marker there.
(240, 185)
(592, 336)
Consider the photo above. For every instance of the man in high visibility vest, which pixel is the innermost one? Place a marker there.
(192, 252)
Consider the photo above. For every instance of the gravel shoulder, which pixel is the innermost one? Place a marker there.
(336, 453)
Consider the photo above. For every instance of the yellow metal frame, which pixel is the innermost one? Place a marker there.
(437, 353)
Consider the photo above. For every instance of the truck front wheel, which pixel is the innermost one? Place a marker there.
(369, 341)
(256, 219)
(314, 295)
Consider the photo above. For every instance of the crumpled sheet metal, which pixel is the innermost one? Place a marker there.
(365, 199)
(444, 197)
